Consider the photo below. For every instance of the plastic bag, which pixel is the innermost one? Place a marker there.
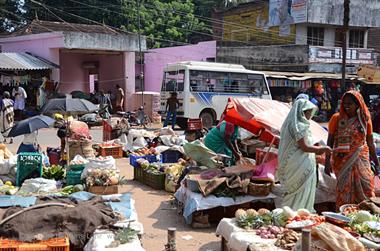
(99, 163)
(37, 185)
(201, 154)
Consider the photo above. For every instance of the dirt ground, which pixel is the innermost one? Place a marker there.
(154, 208)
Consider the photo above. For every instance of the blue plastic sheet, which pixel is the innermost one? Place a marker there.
(124, 206)
(13, 200)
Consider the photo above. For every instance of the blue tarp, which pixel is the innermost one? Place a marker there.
(124, 206)
(13, 200)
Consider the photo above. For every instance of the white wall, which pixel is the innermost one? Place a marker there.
(301, 34)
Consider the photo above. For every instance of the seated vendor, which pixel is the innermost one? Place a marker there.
(29, 144)
(223, 140)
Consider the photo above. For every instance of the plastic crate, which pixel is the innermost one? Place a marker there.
(150, 158)
(171, 156)
(194, 124)
(138, 174)
(114, 151)
(29, 165)
(73, 177)
(54, 244)
(79, 167)
(156, 181)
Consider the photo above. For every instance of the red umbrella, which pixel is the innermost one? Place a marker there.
(264, 117)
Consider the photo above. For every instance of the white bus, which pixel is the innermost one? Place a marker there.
(203, 88)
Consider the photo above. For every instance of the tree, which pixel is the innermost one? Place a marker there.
(165, 23)
(9, 12)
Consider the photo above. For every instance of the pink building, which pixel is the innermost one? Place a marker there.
(157, 59)
(90, 57)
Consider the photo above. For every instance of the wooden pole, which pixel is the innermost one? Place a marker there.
(306, 240)
(171, 245)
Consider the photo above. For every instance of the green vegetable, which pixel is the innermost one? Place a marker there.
(254, 222)
(54, 172)
(279, 217)
(363, 216)
(78, 188)
(125, 235)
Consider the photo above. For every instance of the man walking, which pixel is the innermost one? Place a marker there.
(172, 103)
(119, 98)
(20, 95)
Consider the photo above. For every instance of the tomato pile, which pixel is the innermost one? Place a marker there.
(313, 217)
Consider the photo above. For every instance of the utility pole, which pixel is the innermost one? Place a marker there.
(346, 20)
(140, 55)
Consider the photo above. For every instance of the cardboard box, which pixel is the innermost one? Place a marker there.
(103, 190)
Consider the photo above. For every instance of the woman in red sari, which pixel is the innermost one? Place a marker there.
(350, 136)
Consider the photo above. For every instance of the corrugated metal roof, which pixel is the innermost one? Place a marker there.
(23, 61)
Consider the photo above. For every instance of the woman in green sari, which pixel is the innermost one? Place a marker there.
(296, 157)
(223, 139)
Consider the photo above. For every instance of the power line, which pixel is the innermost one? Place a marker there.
(279, 65)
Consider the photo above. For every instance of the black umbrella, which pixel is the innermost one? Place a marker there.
(68, 106)
(30, 125)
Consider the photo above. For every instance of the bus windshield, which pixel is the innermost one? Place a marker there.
(173, 81)
(210, 81)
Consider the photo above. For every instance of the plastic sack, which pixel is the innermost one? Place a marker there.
(101, 239)
(99, 163)
(37, 185)
(167, 131)
(77, 160)
(201, 154)
(79, 130)
(6, 165)
(337, 238)
(170, 183)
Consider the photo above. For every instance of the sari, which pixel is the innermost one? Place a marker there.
(296, 168)
(6, 116)
(215, 139)
(350, 159)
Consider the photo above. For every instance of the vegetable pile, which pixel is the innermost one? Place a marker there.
(252, 219)
(54, 172)
(270, 232)
(287, 239)
(102, 177)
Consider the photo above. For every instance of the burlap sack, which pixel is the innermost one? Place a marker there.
(82, 148)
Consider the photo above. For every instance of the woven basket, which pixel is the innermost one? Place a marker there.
(259, 188)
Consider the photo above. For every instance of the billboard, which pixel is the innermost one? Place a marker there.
(286, 12)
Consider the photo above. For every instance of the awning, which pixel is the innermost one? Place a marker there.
(24, 61)
(307, 75)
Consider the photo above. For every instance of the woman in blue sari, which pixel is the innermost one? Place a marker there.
(223, 139)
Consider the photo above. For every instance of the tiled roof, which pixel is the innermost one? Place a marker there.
(37, 26)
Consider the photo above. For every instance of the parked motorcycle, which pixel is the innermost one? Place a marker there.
(136, 118)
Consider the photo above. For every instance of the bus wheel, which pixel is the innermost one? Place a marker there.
(207, 119)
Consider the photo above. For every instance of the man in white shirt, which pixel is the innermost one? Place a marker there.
(20, 95)
(29, 143)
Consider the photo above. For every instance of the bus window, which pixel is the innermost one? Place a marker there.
(173, 81)
(256, 83)
(199, 81)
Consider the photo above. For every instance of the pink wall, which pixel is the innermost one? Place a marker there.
(157, 59)
(75, 77)
(45, 45)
